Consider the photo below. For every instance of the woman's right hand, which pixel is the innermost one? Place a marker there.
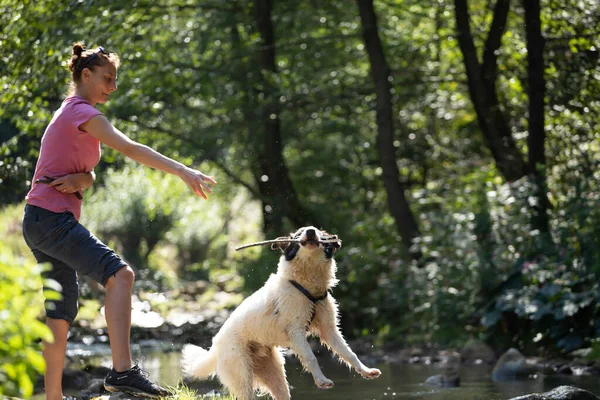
(197, 181)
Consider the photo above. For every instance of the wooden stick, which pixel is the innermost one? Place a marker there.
(281, 241)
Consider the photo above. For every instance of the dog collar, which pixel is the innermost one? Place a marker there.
(307, 293)
(311, 298)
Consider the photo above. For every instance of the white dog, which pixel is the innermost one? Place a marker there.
(294, 303)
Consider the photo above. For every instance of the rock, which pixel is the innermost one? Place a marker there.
(96, 386)
(511, 365)
(477, 352)
(449, 359)
(443, 380)
(579, 370)
(565, 370)
(560, 393)
(553, 365)
(97, 371)
(74, 379)
(89, 378)
(450, 366)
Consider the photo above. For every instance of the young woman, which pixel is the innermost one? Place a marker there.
(69, 152)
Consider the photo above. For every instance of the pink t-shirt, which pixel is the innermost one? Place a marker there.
(65, 150)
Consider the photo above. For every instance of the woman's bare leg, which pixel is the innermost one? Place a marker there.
(118, 317)
(54, 355)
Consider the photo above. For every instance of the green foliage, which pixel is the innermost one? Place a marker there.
(502, 280)
(190, 86)
(134, 209)
(11, 229)
(20, 330)
(163, 229)
(183, 392)
(551, 299)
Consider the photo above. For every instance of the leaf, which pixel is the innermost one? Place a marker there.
(36, 360)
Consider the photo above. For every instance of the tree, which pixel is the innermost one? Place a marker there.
(481, 78)
(380, 73)
(536, 91)
(273, 180)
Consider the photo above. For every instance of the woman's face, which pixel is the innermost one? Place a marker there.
(100, 82)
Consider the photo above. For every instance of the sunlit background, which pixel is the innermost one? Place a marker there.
(452, 145)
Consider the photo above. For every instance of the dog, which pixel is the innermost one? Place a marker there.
(293, 304)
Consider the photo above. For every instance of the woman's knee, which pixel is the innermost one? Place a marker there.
(124, 275)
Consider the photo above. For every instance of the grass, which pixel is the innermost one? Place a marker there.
(182, 392)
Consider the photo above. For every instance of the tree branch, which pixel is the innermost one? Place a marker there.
(494, 40)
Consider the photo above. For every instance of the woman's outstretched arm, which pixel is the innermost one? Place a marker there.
(105, 132)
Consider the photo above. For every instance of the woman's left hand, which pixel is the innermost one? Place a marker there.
(66, 184)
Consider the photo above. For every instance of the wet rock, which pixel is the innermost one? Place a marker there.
(553, 365)
(449, 365)
(96, 371)
(512, 365)
(426, 360)
(89, 379)
(579, 370)
(565, 370)
(560, 393)
(96, 387)
(74, 379)
(477, 352)
(443, 380)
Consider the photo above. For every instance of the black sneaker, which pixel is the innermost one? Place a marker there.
(134, 382)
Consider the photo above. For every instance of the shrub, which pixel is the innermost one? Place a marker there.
(21, 303)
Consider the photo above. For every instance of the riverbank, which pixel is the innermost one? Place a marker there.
(163, 322)
(399, 380)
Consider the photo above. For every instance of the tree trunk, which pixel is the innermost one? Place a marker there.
(273, 179)
(380, 72)
(536, 91)
(481, 80)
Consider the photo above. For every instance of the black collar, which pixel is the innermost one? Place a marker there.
(307, 293)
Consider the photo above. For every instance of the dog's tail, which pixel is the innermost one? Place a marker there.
(197, 362)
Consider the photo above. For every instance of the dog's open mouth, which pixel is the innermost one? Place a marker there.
(311, 242)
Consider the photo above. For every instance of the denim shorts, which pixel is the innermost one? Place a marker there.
(59, 239)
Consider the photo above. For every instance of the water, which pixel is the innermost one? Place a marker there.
(396, 382)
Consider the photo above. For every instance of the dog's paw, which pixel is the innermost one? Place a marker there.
(370, 373)
(324, 383)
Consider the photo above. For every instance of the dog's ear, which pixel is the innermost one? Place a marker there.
(332, 247)
(281, 246)
(338, 242)
(335, 245)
